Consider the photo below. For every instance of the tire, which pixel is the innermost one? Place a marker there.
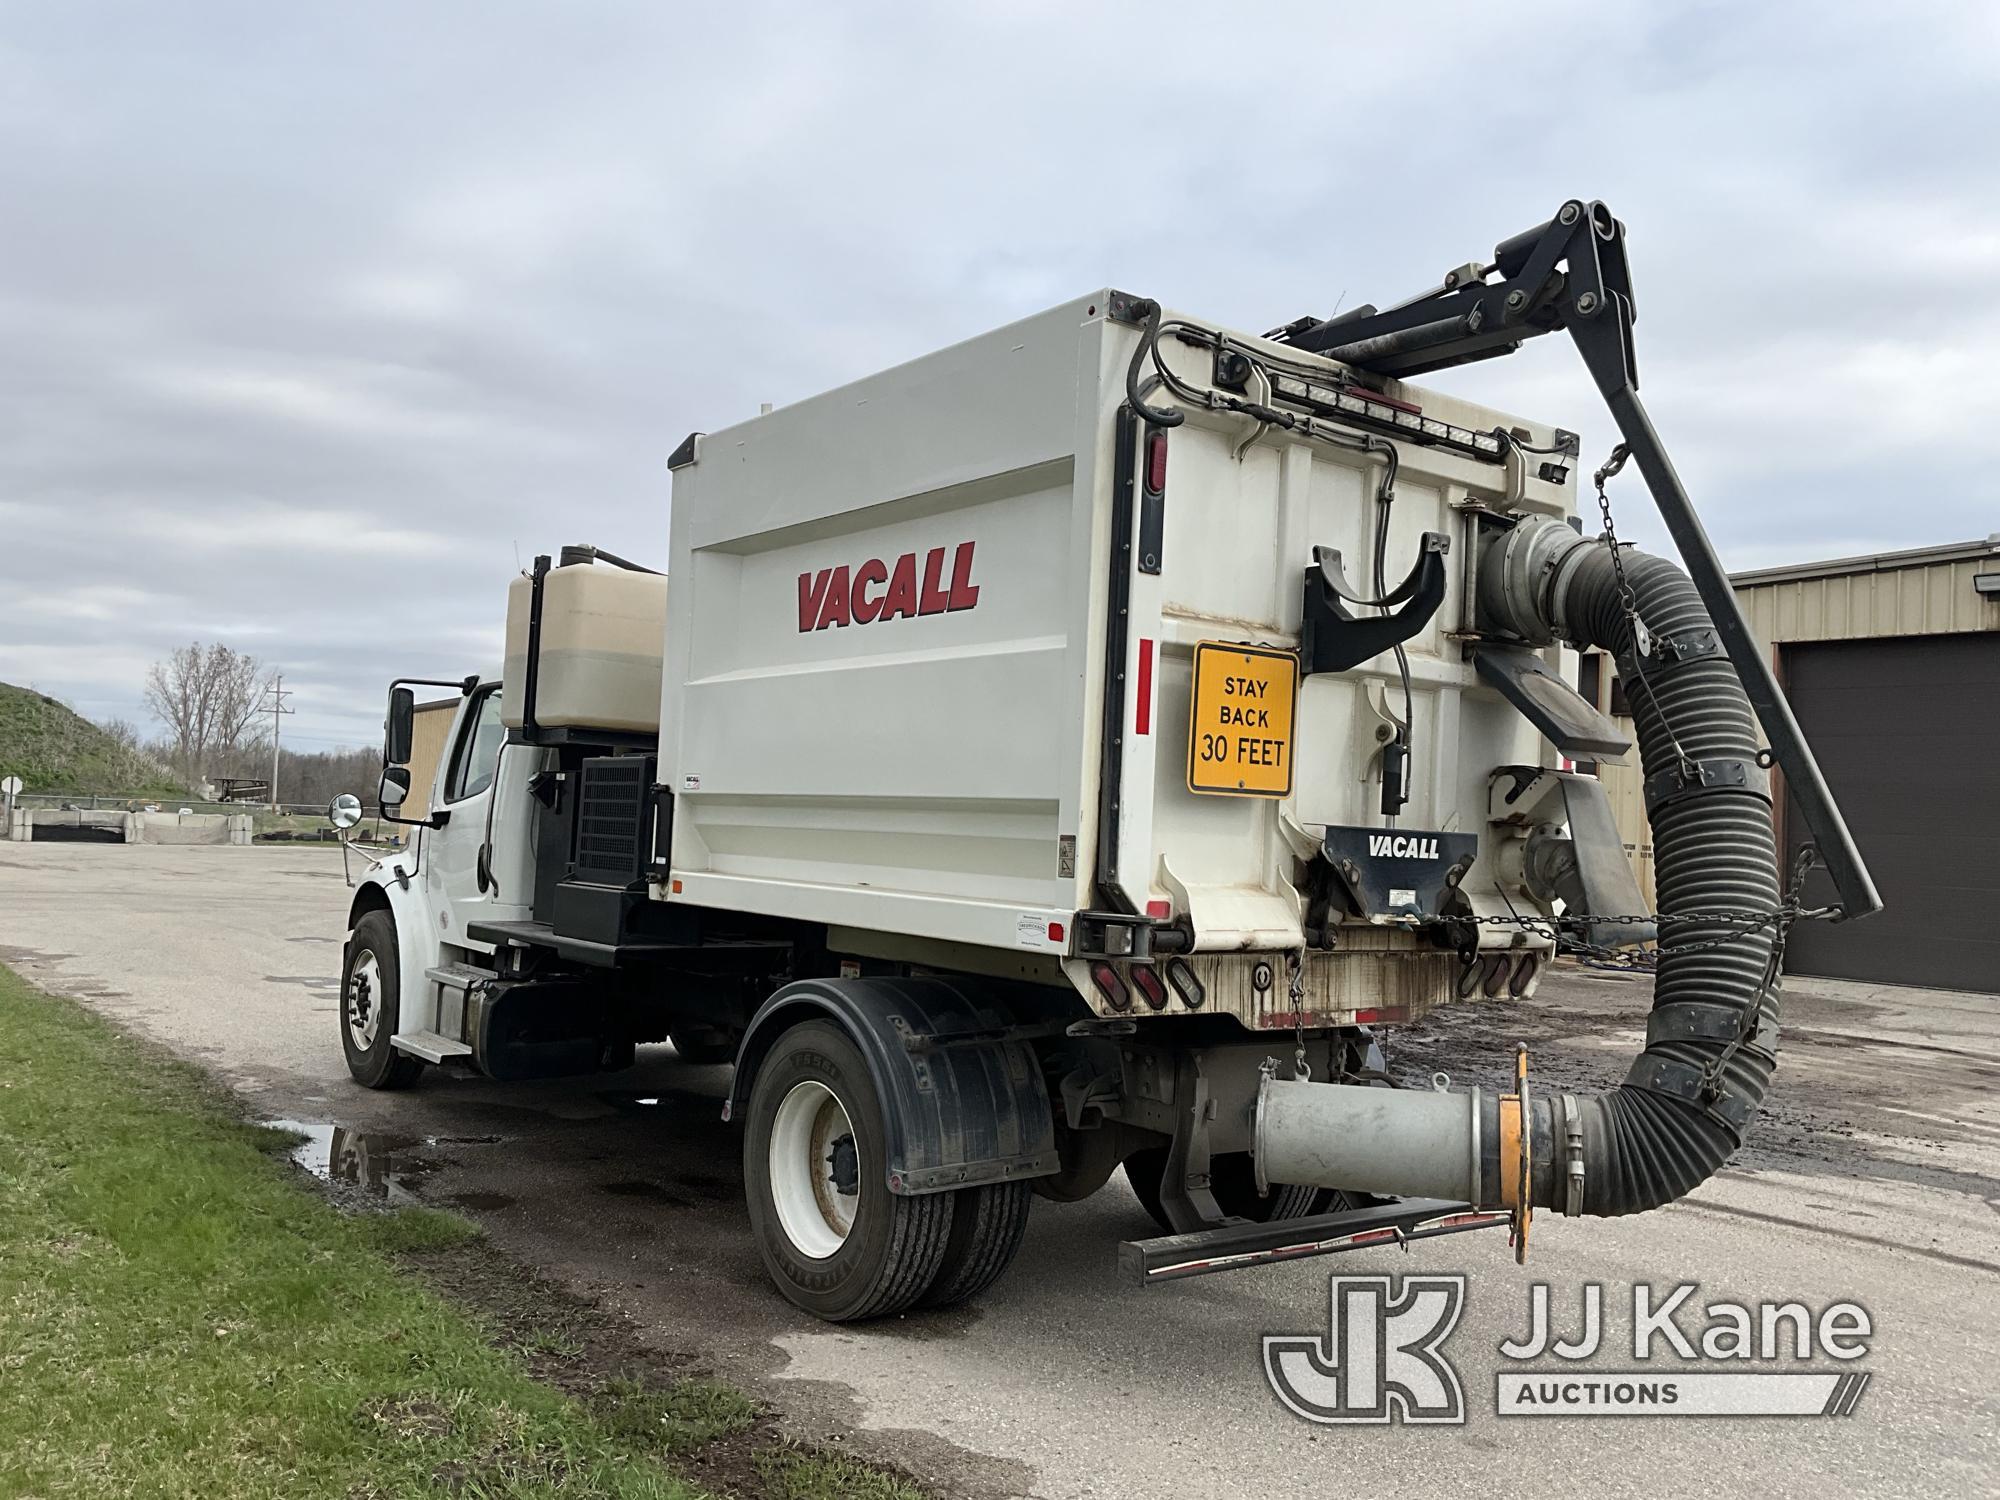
(1233, 1181)
(703, 1048)
(370, 974)
(986, 1228)
(840, 1256)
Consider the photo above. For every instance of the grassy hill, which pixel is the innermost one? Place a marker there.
(53, 749)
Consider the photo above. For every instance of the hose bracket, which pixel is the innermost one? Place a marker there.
(1731, 772)
(1673, 651)
(1333, 638)
(1690, 1085)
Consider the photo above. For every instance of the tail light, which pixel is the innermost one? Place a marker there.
(1110, 986)
(1149, 984)
(1156, 461)
(1181, 975)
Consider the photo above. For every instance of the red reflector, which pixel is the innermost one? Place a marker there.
(1156, 462)
(1143, 716)
(1148, 981)
(1160, 909)
(1055, 932)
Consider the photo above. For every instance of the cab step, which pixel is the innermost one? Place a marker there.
(459, 976)
(430, 1046)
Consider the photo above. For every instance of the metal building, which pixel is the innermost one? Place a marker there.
(1892, 664)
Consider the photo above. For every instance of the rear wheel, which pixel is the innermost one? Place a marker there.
(815, 1165)
(1232, 1178)
(370, 976)
(986, 1228)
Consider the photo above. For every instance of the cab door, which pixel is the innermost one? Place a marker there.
(479, 867)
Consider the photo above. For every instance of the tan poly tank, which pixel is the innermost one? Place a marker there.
(603, 634)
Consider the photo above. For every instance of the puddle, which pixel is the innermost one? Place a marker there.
(382, 1166)
(30, 957)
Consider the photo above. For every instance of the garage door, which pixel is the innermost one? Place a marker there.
(1908, 734)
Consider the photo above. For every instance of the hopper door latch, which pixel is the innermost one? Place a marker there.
(1334, 638)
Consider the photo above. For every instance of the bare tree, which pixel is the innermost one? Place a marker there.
(206, 696)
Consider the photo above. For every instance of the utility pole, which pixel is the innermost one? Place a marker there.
(278, 695)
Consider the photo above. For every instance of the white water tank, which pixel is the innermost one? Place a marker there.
(603, 634)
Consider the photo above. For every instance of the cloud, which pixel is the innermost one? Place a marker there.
(316, 322)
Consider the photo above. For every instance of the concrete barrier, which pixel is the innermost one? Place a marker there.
(50, 824)
(30, 823)
(191, 828)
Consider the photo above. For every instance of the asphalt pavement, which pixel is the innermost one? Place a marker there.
(1874, 1178)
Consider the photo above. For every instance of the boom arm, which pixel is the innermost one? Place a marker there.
(1571, 274)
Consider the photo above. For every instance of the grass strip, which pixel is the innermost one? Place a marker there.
(178, 1316)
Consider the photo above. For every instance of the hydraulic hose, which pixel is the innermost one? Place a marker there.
(1712, 1037)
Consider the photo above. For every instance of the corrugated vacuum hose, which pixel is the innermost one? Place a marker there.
(1712, 1037)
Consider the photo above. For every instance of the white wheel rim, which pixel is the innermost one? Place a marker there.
(805, 1139)
(362, 1004)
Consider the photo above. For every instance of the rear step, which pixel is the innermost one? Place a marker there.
(1174, 1256)
(430, 1046)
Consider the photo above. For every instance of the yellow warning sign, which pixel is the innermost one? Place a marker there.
(1240, 726)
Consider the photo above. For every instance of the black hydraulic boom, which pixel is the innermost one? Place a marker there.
(1571, 274)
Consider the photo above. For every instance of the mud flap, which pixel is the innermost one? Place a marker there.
(963, 1097)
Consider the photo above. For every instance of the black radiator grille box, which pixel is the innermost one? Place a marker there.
(611, 822)
(602, 898)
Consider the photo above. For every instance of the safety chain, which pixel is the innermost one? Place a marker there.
(1301, 1068)
(1742, 923)
(1642, 638)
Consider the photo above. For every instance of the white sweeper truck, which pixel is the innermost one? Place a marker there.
(1069, 751)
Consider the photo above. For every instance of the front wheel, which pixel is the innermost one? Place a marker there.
(370, 974)
(836, 1241)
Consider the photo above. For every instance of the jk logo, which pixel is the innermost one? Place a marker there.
(1380, 1359)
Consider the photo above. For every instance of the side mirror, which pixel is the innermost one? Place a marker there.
(399, 732)
(344, 811)
(395, 787)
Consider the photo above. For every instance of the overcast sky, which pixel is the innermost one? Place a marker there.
(316, 320)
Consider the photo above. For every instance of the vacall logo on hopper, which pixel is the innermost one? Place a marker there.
(1383, 1357)
(1401, 846)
